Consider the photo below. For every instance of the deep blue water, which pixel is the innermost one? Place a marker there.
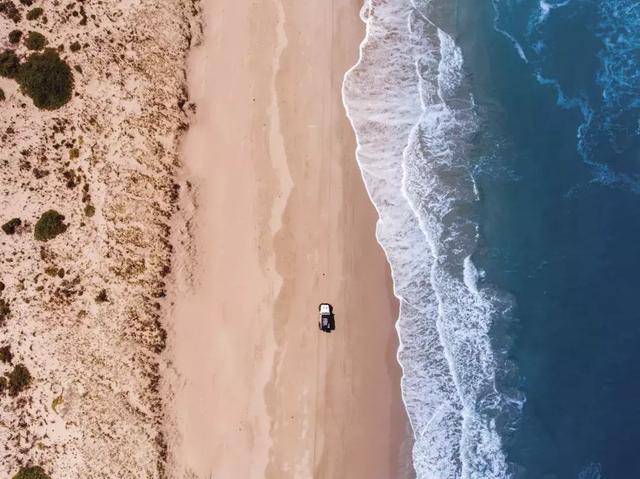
(500, 143)
(557, 162)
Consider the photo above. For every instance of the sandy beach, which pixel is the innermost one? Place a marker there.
(277, 220)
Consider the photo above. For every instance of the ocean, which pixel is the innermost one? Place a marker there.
(500, 143)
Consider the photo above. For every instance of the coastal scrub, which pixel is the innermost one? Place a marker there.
(50, 225)
(34, 13)
(10, 226)
(9, 10)
(6, 356)
(46, 79)
(19, 379)
(35, 41)
(5, 311)
(8, 64)
(102, 296)
(31, 472)
(15, 36)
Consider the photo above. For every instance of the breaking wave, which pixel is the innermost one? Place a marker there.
(415, 122)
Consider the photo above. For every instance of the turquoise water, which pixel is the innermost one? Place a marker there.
(500, 143)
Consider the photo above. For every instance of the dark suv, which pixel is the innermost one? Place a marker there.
(326, 322)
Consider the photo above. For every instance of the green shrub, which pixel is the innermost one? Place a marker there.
(2, 95)
(51, 270)
(57, 401)
(26, 3)
(89, 210)
(4, 385)
(34, 13)
(75, 46)
(8, 64)
(5, 354)
(10, 226)
(35, 41)
(46, 79)
(50, 225)
(15, 36)
(5, 311)
(19, 380)
(31, 472)
(9, 10)
(102, 296)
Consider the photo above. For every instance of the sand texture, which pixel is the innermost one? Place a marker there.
(280, 222)
(93, 409)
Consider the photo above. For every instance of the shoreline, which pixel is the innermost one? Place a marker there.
(251, 384)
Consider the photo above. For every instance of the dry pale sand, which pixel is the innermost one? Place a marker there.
(281, 221)
(83, 311)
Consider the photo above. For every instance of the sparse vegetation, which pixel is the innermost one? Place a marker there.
(8, 64)
(4, 385)
(34, 13)
(50, 225)
(31, 472)
(74, 153)
(51, 270)
(10, 226)
(89, 210)
(102, 296)
(5, 311)
(15, 36)
(57, 402)
(2, 96)
(35, 41)
(19, 380)
(46, 79)
(5, 354)
(75, 46)
(9, 10)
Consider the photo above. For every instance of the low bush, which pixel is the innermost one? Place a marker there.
(9, 10)
(75, 46)
(35, 41)
(5, 354)
(34, 13)
(10, 226)
(102, 296)
(15, 36)
(9, 64)
(5, 311)
(89, 210)
(19, 380)
(31, 472)
(46, 79)
(50, 225)
(2, 95)
(57, 401)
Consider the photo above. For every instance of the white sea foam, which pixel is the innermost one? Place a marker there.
(470, 275)
(617, 77)
(512, 39)
(592, 471)
(413, 116)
